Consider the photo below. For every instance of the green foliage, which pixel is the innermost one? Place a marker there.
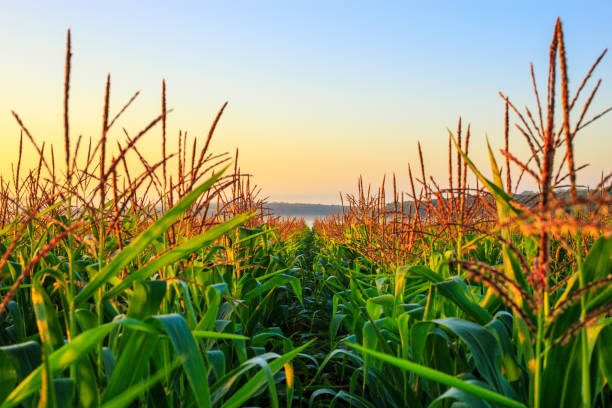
(236, 316)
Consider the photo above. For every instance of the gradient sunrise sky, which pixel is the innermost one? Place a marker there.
(319, 92)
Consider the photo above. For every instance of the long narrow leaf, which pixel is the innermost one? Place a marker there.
(144, 239)
(441, 377)
(177, 253)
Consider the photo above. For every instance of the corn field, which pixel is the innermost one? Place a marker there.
(127, 281)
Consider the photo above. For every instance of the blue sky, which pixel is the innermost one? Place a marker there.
(319, 92)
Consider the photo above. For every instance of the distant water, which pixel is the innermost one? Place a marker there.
(309, 219)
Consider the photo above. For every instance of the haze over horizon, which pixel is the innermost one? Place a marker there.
(318, 93)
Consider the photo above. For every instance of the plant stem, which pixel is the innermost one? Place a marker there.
(584, 346)
(538, 360)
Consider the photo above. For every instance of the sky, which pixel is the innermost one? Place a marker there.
(319, 92)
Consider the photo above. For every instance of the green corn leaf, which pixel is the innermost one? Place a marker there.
(217, 361)
(503, 205)
(484, 347)
(136, 246)
(213, 296)
(224, 384)
(604, 348)
(274, 282)
(8, 375)
(350, 399)
(47, 391)
(498, 192)
(260, 379)
(441, 377)
(203, 334)
(454, 291)
(146, 299)
(25, 357)
(462, 397)
(136, 346)
(18, 319)
(597, 263)
(59, 360)
(132, 360)
(86, 384)
(125, 398)
(185, 346)
(334, 326)
(423, 272)
(178, 252)
(64, 391)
